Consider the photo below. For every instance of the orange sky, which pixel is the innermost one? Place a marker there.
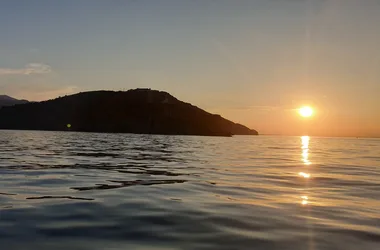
(253, 62)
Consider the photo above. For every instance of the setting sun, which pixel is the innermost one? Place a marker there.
(305, 111)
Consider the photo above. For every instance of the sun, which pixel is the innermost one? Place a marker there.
(305, 111)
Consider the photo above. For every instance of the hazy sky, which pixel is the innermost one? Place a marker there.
(251, 61)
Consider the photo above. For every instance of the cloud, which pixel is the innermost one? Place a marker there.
(29, 69)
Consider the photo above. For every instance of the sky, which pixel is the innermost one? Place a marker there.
(252, 61)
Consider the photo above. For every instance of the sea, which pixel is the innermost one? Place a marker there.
(71, 190)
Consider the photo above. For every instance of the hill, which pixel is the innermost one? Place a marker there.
(10, 101)
(142, 111)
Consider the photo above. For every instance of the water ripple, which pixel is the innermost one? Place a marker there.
(121, 191)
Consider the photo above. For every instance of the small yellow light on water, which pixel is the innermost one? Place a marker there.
(305, 197)
(304, 202)
(304, 175)
(69, 125)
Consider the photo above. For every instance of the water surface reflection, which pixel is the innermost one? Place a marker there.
(305, 149)
(112, 191)
(305, 140)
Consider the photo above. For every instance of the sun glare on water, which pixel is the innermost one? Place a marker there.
(305, 111)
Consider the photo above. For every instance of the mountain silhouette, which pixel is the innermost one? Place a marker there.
(141, 111)
(10, 101)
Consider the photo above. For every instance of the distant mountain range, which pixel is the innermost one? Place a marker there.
(10, 101)
(142, 111)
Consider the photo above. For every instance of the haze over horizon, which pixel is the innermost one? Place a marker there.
(253, 62)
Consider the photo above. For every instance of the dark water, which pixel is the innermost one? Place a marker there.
(113, 191)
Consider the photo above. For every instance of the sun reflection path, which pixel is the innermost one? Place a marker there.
(305, 158)
(305, 150)
(304, 175)
(305, 200)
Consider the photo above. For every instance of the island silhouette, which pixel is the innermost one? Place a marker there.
(140, 111)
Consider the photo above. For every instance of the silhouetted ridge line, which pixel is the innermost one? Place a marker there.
(141, 111)
(10, 101)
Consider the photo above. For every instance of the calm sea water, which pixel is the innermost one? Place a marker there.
(63, 190)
